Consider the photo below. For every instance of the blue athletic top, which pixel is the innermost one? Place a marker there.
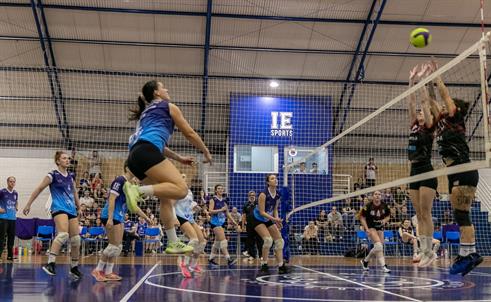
(184, 207)
(219, 218)
(128, 225)
(62, 195)
(140, 229)
(155, 125)
(8, 202)
(120, 208)
(269, 206)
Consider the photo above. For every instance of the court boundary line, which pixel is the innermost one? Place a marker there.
(139, 283)
(358, 283)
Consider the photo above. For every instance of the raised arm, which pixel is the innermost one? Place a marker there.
(443, 91)
(186, 160)
(412, 97)
(188, 132)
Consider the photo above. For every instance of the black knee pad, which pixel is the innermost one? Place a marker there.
(462, 218)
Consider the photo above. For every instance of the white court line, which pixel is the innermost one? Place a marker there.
(137, 285)
(359, 284)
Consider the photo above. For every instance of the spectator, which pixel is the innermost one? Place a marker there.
(129, 235)
(370, 172)
(359, 184)
(236, 217)
(387, 197)
(400, 198)
(447, 217)
(100, 194)
(95, 163)
(8, 215)
(73, 163)
(254, 242)
(407, 235)
(148, 212)
(302, 168)
(348, 213)
(206, 231)
(404, 213)
(141, 227)
(83, 213)
(98, 222)
(87, 200)
(97, 210)
(153, 247)
(314, 168)
(310, 238)
(84, 181)
(336, 222)
(97, 180)
(322, 223)
(395, 218)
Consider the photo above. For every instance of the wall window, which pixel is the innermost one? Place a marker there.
(255, 159)
(316, 164)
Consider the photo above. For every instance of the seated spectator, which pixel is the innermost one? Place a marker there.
(400, 198)
(310, 239)
(314, 169)
(97, 210)
(395, 218)
(100, 194)
(447, 217)
(404, 213)
(322, 223)
(408, 236)
(98, 223)
(302, 169)
(129, 235)
(87, 200)
(336, 222)
(348, 213)
(359, 184)
(153, 247)
(387, 197)
(148, 211)
(237, 218)
(84, 181)
(83, 212)
(96, 181)
(95, 163)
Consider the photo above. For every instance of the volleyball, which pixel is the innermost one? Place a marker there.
(420, 37)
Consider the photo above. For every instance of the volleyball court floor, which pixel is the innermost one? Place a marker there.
(313, 278)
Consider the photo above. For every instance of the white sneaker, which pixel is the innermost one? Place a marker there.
(364, 265)
(245, 254)
(427, 260)
(385, 269)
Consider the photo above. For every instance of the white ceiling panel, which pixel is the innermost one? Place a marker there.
(13, 83)
(232, 62)
(15, 21)
(382, 68)
(279, 64)
(235, 32)
(335, 37)
(403, 10)
(129, 58)
(125, 27)
(326, 66)
(295, 8)
(285, 34)
(177, 5)
(20, 53)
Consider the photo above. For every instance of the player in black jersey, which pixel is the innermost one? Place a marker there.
(419, 151)
(454, 150)
(373, 216)
(407, 235)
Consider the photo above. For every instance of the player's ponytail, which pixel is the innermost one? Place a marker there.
(143, 99)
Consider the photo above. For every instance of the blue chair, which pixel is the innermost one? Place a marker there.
(361, 236)
(151, 232)
(390, 239)
(94, 233)
(44, 233)
(453, 239)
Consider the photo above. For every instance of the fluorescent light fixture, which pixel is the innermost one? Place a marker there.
(273, 84)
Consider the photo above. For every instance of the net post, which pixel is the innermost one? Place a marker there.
(485, 96)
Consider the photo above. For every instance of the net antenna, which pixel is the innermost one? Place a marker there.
(480, 47)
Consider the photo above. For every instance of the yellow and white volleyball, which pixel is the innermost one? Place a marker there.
(420, 37)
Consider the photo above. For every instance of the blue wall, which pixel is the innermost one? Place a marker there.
(251, 124)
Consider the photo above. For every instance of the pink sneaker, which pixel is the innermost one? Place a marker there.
(184, 270)
(196, 269)
(113, 277)
(98, 275)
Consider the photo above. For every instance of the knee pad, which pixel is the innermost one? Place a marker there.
(378, 247)
(202, 247)
(75, 242)
(195, 244)
(61, 238)
(111, 251)
(279, 244)
(462, 218)
(267, 242)
(224, 244)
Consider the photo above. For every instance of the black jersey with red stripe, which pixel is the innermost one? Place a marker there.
(420, 143)
(450, 137)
